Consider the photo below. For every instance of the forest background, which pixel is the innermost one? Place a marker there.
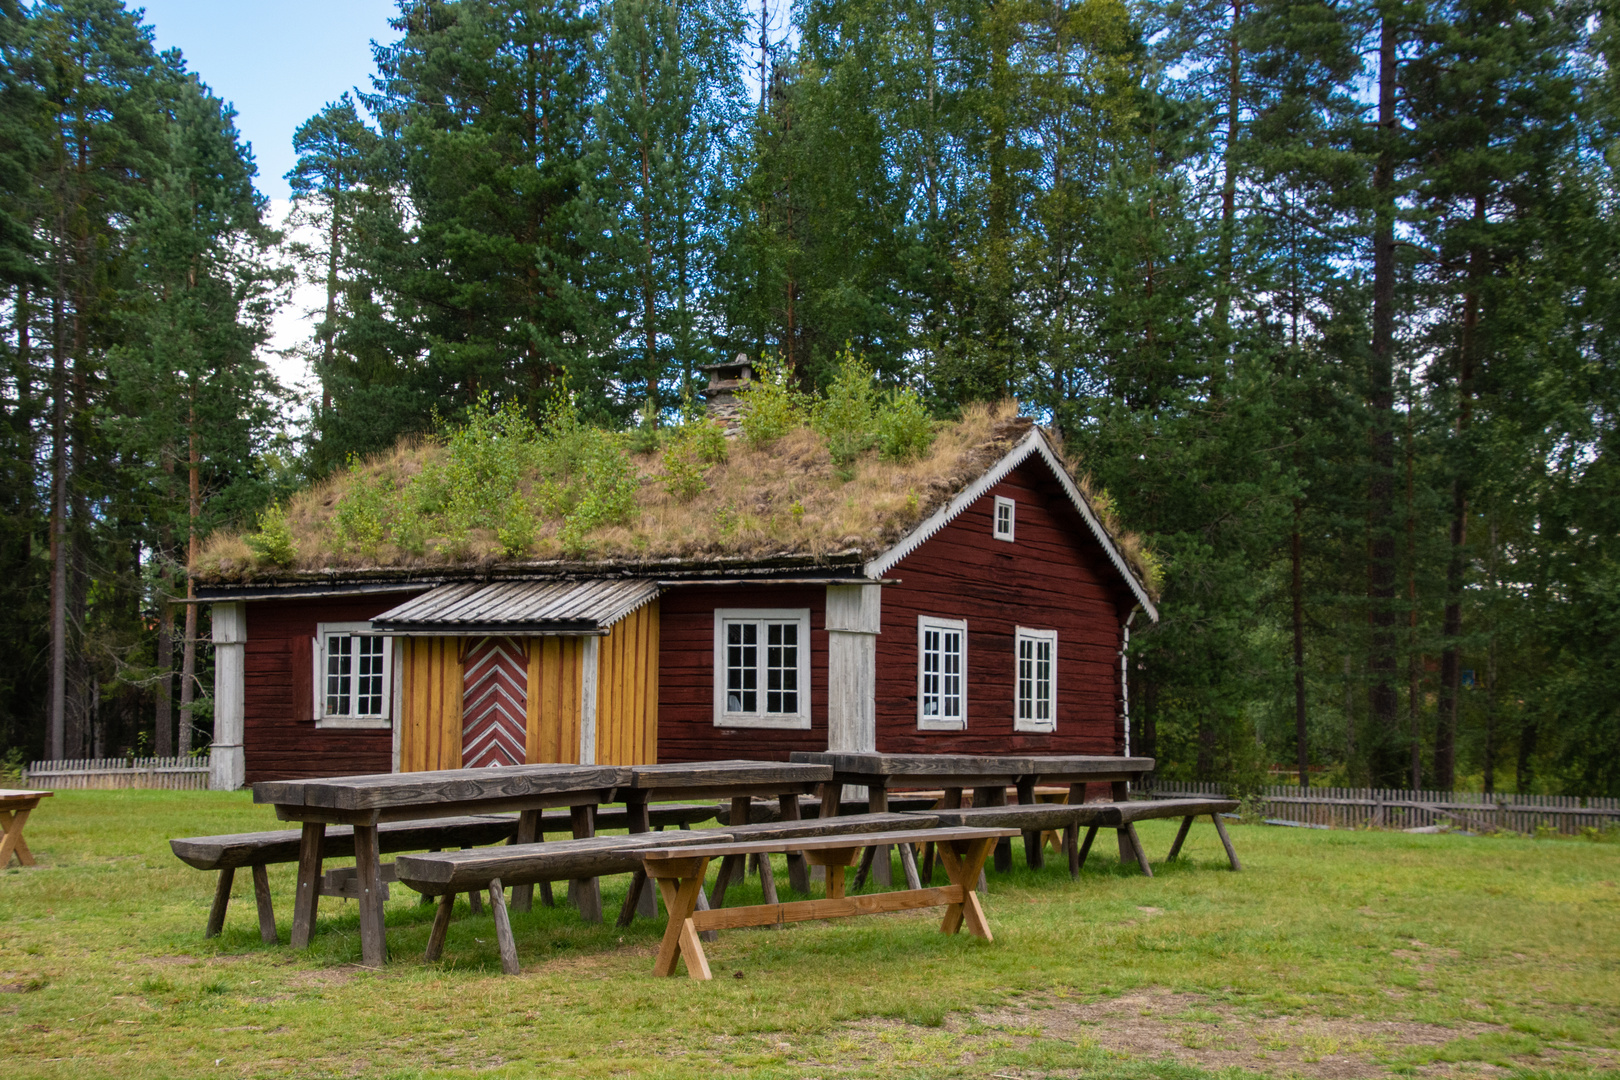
(1321, 293)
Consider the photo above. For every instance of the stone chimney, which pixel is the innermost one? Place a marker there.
(725, 380)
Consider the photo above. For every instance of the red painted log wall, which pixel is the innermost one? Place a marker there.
(281, 741)
(1053, 576)
(686, 730)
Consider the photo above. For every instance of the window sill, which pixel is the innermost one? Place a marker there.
(353, 723)
(1034, 729)
(941, 725)
(779, 723)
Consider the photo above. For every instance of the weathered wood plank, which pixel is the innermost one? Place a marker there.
(771, 914)
(423, 790)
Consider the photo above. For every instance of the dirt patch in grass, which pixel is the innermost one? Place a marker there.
(1190, 1029)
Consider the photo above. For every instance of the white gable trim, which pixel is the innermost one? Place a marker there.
(1030, 445)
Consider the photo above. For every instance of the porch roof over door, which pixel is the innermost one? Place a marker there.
(524, 608)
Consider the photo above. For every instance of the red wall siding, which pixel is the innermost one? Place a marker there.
(1054, 576)
(281, 740)
(686, 730)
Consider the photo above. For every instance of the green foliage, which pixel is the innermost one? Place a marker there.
(360, 521)
(846, 412)
(274, 543)
(905, 428)
(689, 450)
(771, 405)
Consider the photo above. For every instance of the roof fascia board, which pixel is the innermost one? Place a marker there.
(1030, 445)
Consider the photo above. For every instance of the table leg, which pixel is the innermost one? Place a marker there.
(963, 861)
(831, 795)
(261, 899)
(908, 863)
(1079, 860)
(742, 811)
(867, 855)
(767, 879)
(368, 867)
(503, 928)
(680, 937)
(639, 900)
(1122, 793)
(1181, 838)
(798, 869)
(12, 842)
(996, 795)
(587, 891)
(928, 864)
(441, 925)
(222, 898)
(309, 882)
(722, 880)
(528, 829)
(1220, 827)
(877, 802)
(1034, 842)
(1071, 848)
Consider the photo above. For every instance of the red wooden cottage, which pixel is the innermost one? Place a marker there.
(993, 620)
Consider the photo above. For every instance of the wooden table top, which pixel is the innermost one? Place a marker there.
(14, 795)
(989, 767)
(388, 791)
(739, 772)
(825, 843)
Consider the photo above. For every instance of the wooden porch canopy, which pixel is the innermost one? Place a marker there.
(528, 608)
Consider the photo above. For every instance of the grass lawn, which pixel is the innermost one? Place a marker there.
(1335, 954)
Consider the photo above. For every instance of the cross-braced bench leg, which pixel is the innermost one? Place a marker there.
(503, 928)
(1128, 835)
(1226, 841)
(1079, 860)
(222, 899)
(441, 926)
(1181, 837)
(964, 861)
(680, 881)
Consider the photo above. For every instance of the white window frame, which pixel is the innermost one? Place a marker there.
(338, 721)
(796, 721)
(1033, 723)
(926, 722)
(1012, 519)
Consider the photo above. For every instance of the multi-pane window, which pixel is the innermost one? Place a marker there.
(1035, 701)
(941, 674)
(1005, 514)
(762, 668)
(352, 674)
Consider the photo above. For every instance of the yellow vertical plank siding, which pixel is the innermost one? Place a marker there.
(627, 691)
(430, 735)
(553, 710)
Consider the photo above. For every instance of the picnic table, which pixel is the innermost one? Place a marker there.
(367, 801)
(987, 775)
(15, 807)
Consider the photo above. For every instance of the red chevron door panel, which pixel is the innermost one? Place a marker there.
(494, 703)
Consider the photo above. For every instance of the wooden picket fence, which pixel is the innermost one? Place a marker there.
(1399, 808)
(165, 773)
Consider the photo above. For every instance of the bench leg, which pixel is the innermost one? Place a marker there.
(1181, 838)
(996, 795)
(767, 879)
(587, 891)
(868, 856)
(681, 898)
(1226, 841)
(908, 863)
(1079, 860)
(1034, 840)
(309, 883)
(222, 899)
(964, 861)
(647, 899)
(702, 905)
(503, 928)
(528, 831)
(722, 881)
(632, 899)
(1071, 848)
(798, 869)
(373, 943)
(877, 802)
(441, 925)
(261, 897)
(475, 902)
(1127, 835)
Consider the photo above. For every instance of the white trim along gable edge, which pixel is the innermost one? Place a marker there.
(1033, 443)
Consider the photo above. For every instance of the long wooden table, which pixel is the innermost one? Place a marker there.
(987, 775)
(680, 871)
(740, 781)
(15, 806)
(366, 801)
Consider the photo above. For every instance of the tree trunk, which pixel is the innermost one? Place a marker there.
(188, 656)
(56, 721)
(1297, 596)
(1490, 674)
(1445, 742)
(1413, 693)
(1234, 105)
(163, 736)
(1381, 661)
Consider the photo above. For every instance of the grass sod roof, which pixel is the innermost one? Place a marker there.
(782, 501)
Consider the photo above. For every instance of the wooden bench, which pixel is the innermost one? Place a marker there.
(1036, 818)
(257, 850)
(15, 806)
(445, 873)
(680, 872)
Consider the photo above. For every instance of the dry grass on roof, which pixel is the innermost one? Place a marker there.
(783, 499)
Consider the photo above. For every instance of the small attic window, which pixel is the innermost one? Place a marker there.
(1006, 512)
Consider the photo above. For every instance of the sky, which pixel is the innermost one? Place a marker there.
(277, 61)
